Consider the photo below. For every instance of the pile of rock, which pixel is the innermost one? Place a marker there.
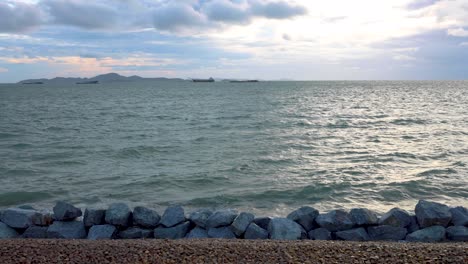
(432, 222)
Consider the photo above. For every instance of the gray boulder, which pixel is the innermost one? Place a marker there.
(135, 233)
(68, 230)
(221, 218)
(7, 232)
(97, 232)
(356, 234)
(457, 233)
(431, 214)
(35, 232)
(21, 218)
(304, 216)
(386, 232)
(459, 216)
(262, 222)
(255, 232)
(428, 234)
(172, 216)
(145, 217)
(396, 217)
(197, 233)
(284, 229)
(66, 212)
(241, 222)
(118, 214)
(175, 232)
(200, 217)
(336, 220)
(94, 217)
(223, 232)
(363, 217)
(413, 226)
(320, 234)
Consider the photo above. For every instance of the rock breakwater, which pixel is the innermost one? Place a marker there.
(432, 222)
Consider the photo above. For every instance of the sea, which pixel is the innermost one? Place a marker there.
(266, 147)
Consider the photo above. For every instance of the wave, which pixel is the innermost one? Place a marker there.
(15, 198)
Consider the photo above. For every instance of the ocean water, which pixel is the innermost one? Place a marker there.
(265, 147)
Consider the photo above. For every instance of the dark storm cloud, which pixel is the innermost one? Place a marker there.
(18, 17)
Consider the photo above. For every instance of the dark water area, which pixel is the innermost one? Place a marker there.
(265, 147)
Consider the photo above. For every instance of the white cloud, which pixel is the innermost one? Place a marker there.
(457, 32)
(3, 70)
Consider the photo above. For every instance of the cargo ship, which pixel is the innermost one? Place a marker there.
(203, 80)
(89, 82)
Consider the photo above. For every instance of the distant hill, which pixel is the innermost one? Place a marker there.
(103, 78)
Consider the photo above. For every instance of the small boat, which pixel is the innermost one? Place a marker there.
(89, 82)
(203, 80)
(32, 83)
(243, 81)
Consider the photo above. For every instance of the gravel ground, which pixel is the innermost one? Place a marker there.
(227, 251)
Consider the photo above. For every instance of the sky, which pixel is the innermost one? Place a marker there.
(253, 39)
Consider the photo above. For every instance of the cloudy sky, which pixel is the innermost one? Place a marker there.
(264, 39)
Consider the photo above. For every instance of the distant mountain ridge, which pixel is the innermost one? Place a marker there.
(103, 78)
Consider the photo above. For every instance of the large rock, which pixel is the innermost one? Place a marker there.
(428, 234)
(431, 214)
(223, 232)
(22, 218)
(175, 232)
(145, 217)
(459, 216)
(197, 233)
(35, 232)
(118, 214)
(262, 222)
(255, 232)
(396, 217)
(363, 217)
(457, 233)
(386, 232)
(284, 229)
(413, 226)
(200, 217)
(172, 216)
(221, 218)
(97, 232)
(66, 212)
(356, 234)
(68, 230)
(7, 232)
(336, 220)
(241, 222)
(320, 234)
(94, 217)
(135, 233)
(304, 216)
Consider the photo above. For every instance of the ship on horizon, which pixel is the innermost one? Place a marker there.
(203, 80)
(88, 82)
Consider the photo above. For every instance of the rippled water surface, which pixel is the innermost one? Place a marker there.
(266, 147)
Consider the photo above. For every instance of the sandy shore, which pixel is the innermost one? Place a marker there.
(227, 251)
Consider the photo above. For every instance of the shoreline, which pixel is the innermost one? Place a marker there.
(432, 222)
(227, 251)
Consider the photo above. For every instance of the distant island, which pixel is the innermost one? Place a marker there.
(103, 78)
